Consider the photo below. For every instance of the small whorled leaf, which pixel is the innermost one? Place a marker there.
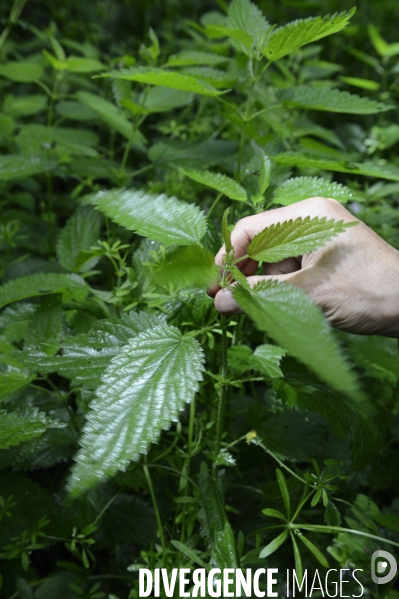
(381, 169)
(289, 37)
(188, 267)
(222, 183)
(16, 428)
(331, 100)
(164, 78)
(143, 389)
(274, 545)
(72, 287)
(289, 316)
(157, 217)
(294, 238)
(301, 188)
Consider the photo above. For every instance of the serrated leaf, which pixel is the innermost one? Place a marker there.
(222, 183)
(16, 428)
(315, 551)
(21, 166)
(301, 188)
(142, 392)
(72, 287)
(274, 545)
(226, 231)
(22, 72)
(196, 57)
(215, 77)
(79, 234)
(331, 100)
(332, 517)
(379, 168)
(108, 112)
(164, 78)
(245, 16)
(268, 358)
(13, 381)
(45, 326)
(188, 267)
(215, 524)
(289, 37)
(157, 217)
(294, 238)
(282, 483)
(288, 315)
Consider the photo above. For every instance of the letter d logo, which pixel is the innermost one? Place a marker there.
(382, 566)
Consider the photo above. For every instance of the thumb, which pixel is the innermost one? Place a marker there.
(226, 304)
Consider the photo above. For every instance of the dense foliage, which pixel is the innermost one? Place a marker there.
(138, 427)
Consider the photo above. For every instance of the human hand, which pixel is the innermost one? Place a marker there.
(354, 278)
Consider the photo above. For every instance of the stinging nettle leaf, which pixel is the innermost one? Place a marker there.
(157, 217)
(331, 100)
(17, 428)
(289, 316)
(142, 392)
(289, 37)
(294, 238)
(109, 113)
(196, 57)
(301, 188)
(245, 16)
(222, 183)
(164, 78)
(72, 287)
(80, 233)
(191, 266)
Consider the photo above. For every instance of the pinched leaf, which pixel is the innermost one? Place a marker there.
(195, 57)
(331, 100)
(294, 238)
(17, 428)
(304, 31)
(288, 315)
(380, 169)
(142, 392)
(301, 188)
(222, 183)
(72, 287)
(215, 524)
(158, 217)
(190, 266)
(80, 233)
(164, 78)
(274, 545)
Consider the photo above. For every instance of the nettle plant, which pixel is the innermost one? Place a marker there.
(120, 335)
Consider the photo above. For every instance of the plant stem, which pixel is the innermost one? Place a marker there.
(214, 204)
(223, 387)
(155, 506)
(332, 529)
(303, 481)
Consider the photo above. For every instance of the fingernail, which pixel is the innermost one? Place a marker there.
(225, 302)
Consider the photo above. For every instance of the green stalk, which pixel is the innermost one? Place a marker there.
(156, 510)
(333, 529)
(223, 387)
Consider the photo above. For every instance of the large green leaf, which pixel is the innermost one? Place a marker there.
(288, 315)
(294, 238)
(143, 390)
(80, 233)
(12, 381)
(22, 72)
(46, 326)
(191, 266)
(266, 359)
(222, 183)
(158, 217)
(109, 113)
(196, 57)
(301, 188)
(164, 78)
(72, 287)
(16, 428)
(19, 167)
(331, 100)
(303, 31)
(245, 16)
(379, 168)
(215, 525)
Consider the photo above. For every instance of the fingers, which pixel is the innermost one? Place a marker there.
(283, 267)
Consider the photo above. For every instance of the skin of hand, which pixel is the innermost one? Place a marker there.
(354, 278)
